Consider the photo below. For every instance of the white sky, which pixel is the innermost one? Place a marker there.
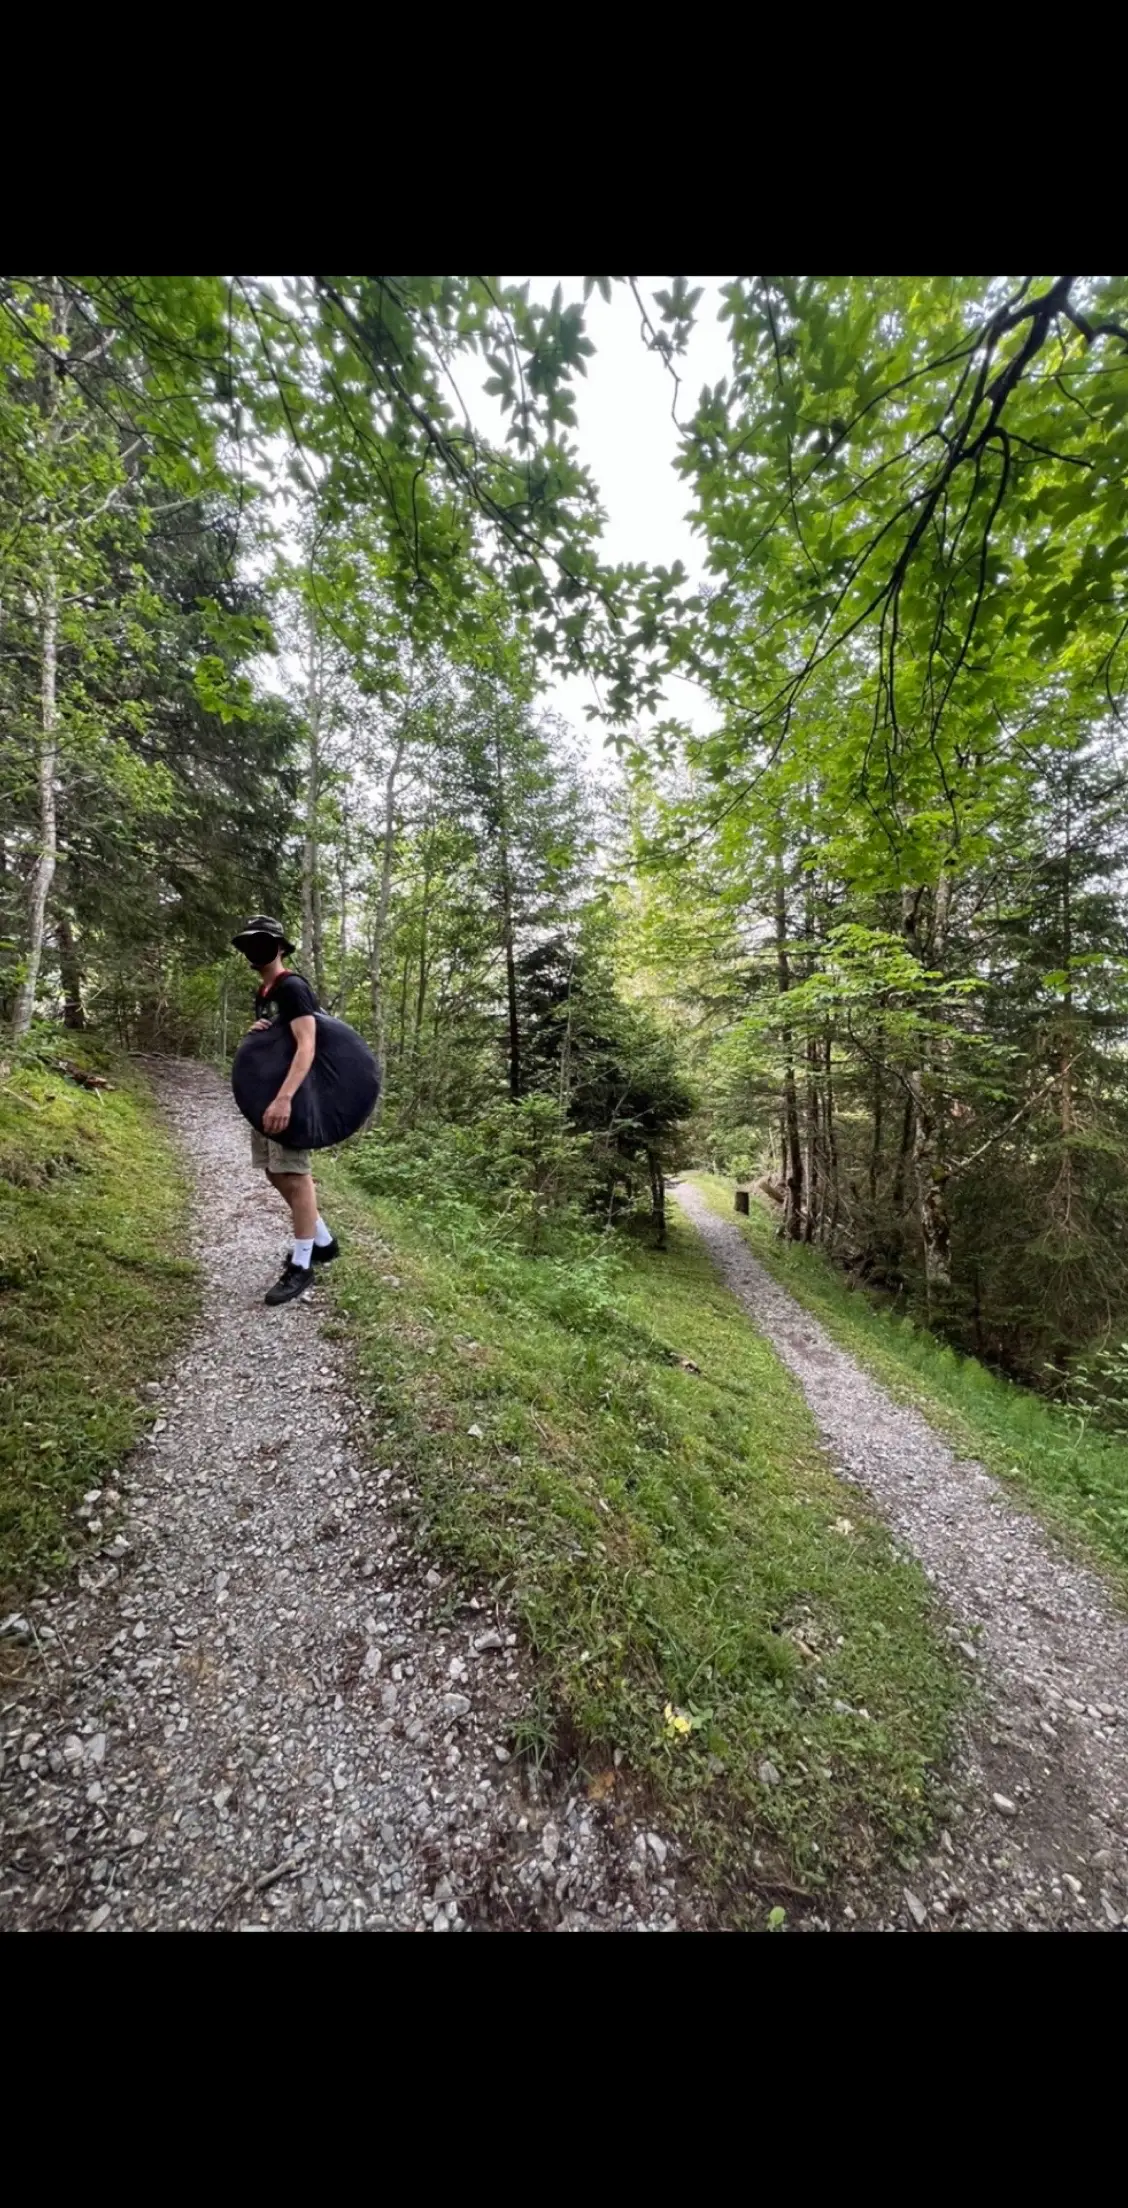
(627, 438)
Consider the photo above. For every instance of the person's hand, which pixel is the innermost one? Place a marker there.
(276, 1117)
(257, 1026)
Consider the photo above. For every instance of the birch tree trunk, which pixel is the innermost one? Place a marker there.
(48, 760)
(44, 873)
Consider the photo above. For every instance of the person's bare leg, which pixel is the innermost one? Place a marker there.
(276, 1180)
(301, 1195)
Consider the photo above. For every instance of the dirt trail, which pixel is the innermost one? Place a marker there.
(1041, 1838)
(253, 1707)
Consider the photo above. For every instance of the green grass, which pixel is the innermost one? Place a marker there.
(93, 1294)
(1076, 1482)
(667, 1538)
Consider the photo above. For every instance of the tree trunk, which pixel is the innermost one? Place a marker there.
(793, 1151)
(343, 916)
(926, 1083)
(70, 967)
(380, 921)
(511, 1003)
(831, 1151)
(404, 978)
(421, 984)
(506, 883)
(657, 1197)
(1064, 1192)
(44, 873)
(48, 761)
(813, 1191)
(566, 1047)
(904, 1152)
(312, 955)
(877, 1129)
(932, 1187)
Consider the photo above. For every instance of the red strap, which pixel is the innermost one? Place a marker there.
(265, 987)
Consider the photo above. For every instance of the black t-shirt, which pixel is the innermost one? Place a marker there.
(288, 998)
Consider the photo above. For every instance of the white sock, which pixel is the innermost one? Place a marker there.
(303, 1245)
(321, 1234)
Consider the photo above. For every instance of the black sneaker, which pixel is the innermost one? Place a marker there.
(325, 1256)
(293, 1281)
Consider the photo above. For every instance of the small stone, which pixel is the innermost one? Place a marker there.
(456, 1705)
(135, 1838)
(95, 1923)
(916, 1908)
(457, 1668)
(550, 1843)
(73, 1749)
(657, 1847)
(1004, 1805)
(769, 1776)
(502, 1754)
(1074, 1884)
(485, 1641)
(474, 1432)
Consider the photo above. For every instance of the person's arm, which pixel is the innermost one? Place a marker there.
(276, 1117)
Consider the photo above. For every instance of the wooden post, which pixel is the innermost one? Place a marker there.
(742, 1202)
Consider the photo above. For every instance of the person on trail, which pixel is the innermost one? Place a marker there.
(282, 995)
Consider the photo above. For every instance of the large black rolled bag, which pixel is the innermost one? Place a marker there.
(339, 1092)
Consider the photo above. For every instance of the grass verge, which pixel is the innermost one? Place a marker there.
(639, 1476)
(93, 1293)
(1075, 1480)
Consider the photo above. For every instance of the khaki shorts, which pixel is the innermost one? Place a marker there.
(274, 1156)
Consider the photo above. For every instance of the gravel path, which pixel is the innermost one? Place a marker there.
(1039, 1835)
(253, 1707)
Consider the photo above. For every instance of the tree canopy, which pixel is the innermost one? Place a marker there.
(277, 622)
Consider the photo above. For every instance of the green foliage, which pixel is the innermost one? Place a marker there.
(93, 1292)
(667, 1536)
(919, 483)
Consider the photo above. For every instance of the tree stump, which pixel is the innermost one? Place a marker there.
(742, 1201)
